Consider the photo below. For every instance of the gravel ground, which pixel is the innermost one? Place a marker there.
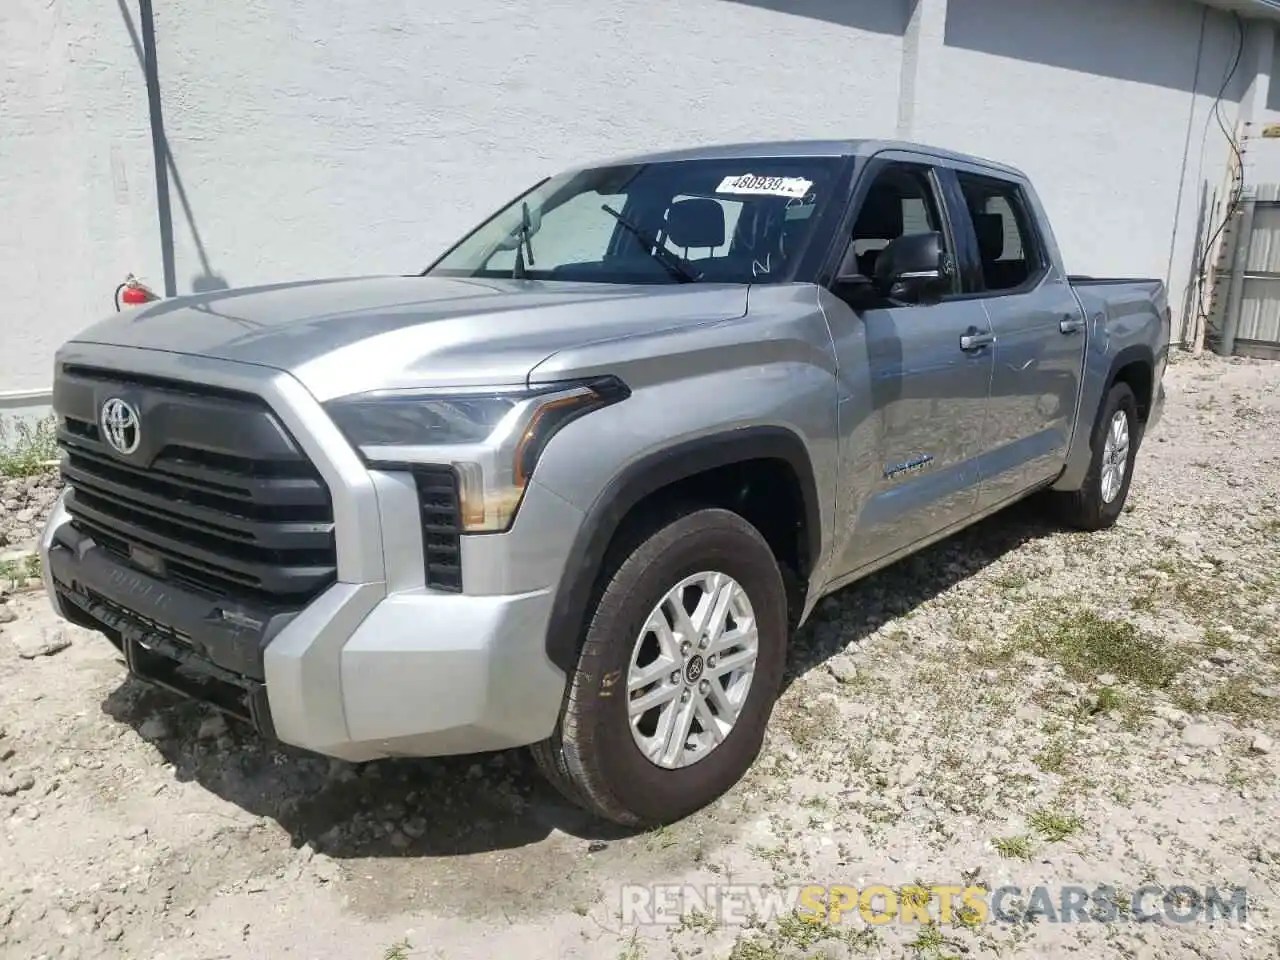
(1017, 706)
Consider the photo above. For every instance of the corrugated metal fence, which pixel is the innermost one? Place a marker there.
(1247, 321)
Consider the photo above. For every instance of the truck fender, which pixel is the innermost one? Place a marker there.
(646, 476)
(1081, 451)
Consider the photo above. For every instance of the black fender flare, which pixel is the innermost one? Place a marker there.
(646, 476)
(1135, 353)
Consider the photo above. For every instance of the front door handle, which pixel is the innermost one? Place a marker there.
(1070, 324)
(976, 340)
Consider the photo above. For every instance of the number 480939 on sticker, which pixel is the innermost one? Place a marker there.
(750, 183)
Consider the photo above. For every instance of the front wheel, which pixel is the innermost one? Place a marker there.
(681, 664)
(1101, 498)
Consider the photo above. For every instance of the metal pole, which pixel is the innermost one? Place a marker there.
(159, 146)
(1243, 229)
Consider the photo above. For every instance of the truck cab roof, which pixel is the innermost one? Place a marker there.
(809, 148)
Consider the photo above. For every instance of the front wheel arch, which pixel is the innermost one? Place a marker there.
(658, 471)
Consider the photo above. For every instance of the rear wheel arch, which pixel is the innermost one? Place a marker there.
(1136, 367)
(669, 475)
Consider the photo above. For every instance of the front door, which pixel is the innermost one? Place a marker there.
(1039, 333)
(914, 382)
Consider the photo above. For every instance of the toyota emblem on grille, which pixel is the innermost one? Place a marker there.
(120, 426)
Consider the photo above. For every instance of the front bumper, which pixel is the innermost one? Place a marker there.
(378, 664)
(359, 673)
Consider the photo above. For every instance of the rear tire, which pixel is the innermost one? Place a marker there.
(1114, 442)
(610, 753)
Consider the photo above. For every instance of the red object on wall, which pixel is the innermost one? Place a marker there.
(133, 292)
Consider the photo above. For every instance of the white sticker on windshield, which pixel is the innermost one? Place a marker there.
(749, 183)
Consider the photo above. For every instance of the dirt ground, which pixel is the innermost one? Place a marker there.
(1017, 706)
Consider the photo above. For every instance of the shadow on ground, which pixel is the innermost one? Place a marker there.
(862, 608)
(481, 804)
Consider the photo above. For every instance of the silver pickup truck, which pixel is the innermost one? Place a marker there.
(575, 485)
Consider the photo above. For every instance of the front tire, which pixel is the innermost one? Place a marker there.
(678, 674)
(1101, 498)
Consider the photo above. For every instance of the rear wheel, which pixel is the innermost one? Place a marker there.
(1101, 498)
(678, 674)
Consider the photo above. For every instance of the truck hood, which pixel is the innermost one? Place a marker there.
(351, 335)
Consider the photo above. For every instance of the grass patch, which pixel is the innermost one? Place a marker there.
(1054, 825)
(809, 723)
(1087, 645)
(796, 933)
(633, 949)
(15, 573)
(1011, 581)
(1236, 698)
(1013, 848)
(930, 944)
(397, 951)
(1198, 594)
(25, 449)
(1053, 758)
(699, 921)
(661, 838)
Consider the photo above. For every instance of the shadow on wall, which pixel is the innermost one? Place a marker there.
(142, 37)
(1196, 297)
(1088, 36)
(882, 16)
(1273, 91)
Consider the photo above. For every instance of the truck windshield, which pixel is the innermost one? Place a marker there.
(710, 221)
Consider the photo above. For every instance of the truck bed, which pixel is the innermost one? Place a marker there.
(1129, 301)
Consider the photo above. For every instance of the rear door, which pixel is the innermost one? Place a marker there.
(1012, 269)
(913, 389)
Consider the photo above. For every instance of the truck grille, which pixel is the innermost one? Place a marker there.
(218, 497)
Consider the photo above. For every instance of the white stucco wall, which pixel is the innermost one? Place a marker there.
(315, 137)
(77, 195)
(1098, 103)
(332, 142)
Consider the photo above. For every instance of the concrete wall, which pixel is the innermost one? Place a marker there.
(77, 195)
(1106, 106)
(313, 137)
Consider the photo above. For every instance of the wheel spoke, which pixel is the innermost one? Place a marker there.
(685, 631)
(642, 677)
(718, 609)
(732, 661)
(727, 708)
(714, 728)
(743, 635)
(678, 733)
(656, 697)
(657, 625)
(655, 745)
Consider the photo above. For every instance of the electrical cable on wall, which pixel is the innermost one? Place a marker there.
(1202, 293)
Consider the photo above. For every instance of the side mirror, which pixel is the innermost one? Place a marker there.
(914, 269)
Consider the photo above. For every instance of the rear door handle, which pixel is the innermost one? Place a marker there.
(976, 340)
(1070, 324)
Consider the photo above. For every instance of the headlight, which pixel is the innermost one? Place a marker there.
(491, 437)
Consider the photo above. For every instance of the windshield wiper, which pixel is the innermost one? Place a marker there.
(673, 264)
(526, 233)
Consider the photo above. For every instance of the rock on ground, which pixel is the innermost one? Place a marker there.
(25, 502)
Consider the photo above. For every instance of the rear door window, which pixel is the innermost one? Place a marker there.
(1008, 247)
